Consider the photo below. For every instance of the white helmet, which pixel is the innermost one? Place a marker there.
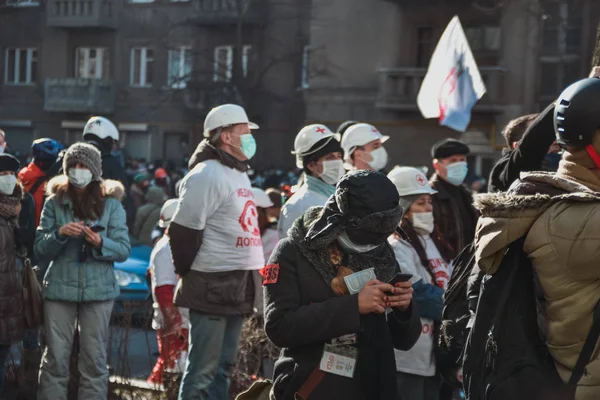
(409, 181)
(167, 212)
(101, 127)
(226, 115)
(308, 137)
(359, 135)
(261, 198)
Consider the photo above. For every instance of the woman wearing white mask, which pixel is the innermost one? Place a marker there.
(82, 233)
(426, 258)
(363, 148)
(11, 314)
(319, 154)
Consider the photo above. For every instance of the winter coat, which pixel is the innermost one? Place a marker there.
(562, 241)
(12, 326)
(68, 278)
(112, 169)
(454, 214)
(148, 215)
(29, 176)
(302, 314)
(528, 156)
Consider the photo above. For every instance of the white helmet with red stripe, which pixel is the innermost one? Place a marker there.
(308, 137)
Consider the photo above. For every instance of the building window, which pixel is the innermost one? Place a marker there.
(305, 61)
(20, 66)
(141, 1)
(22, 3)
(484, 38)
(180, 67)
(223, 64)
(141, 71)
(246, 54)
(560, 59)
(92, 63)
(223, 69)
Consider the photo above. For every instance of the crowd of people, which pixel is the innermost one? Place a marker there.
(348, 267)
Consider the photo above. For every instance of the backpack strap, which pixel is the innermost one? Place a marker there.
(515, 249)
(588, 349)
(37, 184)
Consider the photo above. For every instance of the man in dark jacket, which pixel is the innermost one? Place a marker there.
(217, 250)
(326, 296)
(453, 211)
(102, 133)
(531, 147)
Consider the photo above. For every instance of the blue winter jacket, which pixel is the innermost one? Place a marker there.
(68, 278)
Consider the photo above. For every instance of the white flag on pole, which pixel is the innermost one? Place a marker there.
(452, 84)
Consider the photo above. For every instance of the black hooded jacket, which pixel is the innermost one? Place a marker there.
(302, 314)
(528, 156)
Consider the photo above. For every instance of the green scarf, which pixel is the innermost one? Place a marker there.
(318, 186)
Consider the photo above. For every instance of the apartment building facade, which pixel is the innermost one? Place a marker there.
(154, 67)
(368, 59)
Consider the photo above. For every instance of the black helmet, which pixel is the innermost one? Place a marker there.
(577, 113)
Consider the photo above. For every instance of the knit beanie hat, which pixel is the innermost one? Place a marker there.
(577, 165)
(86, 154)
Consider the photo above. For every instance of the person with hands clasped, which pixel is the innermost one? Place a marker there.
(82, 233)
(327, 301)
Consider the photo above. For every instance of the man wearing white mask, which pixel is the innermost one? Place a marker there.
(217, 250)
(319, 154)
(453, 204)
(363, 148)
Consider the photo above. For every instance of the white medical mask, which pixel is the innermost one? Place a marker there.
(333, 170)
(352, 247)
(7, 184)
(423, 221)
(2, 149)
(80, 177)
(380, 159)
(457, 173)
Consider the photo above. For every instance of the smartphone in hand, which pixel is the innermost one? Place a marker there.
(400, 277)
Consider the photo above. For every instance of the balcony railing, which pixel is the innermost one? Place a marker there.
(82, 13)
(232, 12)
(399, 87)
(202, 96)
(79, 95)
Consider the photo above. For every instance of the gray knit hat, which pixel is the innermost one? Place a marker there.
(85, 154)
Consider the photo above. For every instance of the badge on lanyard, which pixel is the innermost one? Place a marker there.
(339, 360)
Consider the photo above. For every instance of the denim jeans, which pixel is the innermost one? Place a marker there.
(213, 346)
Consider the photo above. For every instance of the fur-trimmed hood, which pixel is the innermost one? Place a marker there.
(506, 217)
(57, 186)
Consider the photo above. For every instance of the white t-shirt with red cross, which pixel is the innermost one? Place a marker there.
(219, 201)
(420, 359)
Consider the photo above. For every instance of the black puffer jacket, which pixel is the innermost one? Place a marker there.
(302, 313)
(11, 301)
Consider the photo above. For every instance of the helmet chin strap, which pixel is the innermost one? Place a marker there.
(593, 154)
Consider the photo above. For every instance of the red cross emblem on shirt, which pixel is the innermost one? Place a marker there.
(421, 180)
(321, 130)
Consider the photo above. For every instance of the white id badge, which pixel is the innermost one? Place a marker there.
(339, 360)
(357, 280)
